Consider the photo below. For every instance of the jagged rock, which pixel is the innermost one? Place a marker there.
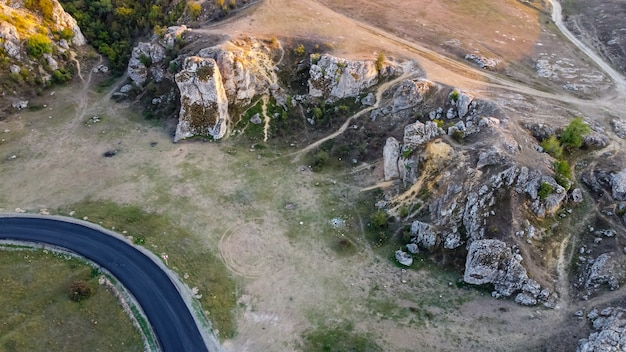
(391, 153)
(369, 100)
(408, 95)
(8, 32)
(65, 20)
(204, 105)
(137, 70)
(126, 88)
(577, 195)
(483, 62)
(52, 63)
(463, 101)
(423, 234)
(256, 119)
(246, 67)
(596, 140)
(541, 131)
(407, 168)
(492, 262)
(490, 157)
(419, 133)
(412, 248)
(12, 49)
(334, 78)
(64, 44)
(404, 258)
(610, 334)
(20, 104)
(618, 185)
(620, 128)
(525, 299)
(451, 114)
(172, 34)
(601, 272)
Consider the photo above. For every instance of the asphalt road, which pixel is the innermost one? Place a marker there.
(167, 313)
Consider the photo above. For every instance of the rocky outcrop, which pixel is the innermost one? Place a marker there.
(492, 262)
(424, 235)
(391, 153)
(408, 95)
(64, 20)
(610, 334)
(144, 61)
(618, 185)
(335, 78)
(246, 67)
(417, 134)
(605, 270)
(482, 61)
(204, 105)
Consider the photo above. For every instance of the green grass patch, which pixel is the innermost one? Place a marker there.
(38, 315)
(338, 338)
(187, 255)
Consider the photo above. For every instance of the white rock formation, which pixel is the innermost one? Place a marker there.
(334, 78)
(391, 153)
(137, 70)
(204, 105)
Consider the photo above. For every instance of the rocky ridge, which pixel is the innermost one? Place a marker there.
(610, 334)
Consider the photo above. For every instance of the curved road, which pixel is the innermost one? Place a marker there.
(167, 313)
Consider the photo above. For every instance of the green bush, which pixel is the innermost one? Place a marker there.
(454, 95)
(380, 61)
(553, 147)
(563, 172)
(544, 190)
(79, 290)
(572, 136)
(317, 113)
(38, 44)
(61, 76)
(145, 60)
(299, 50)
(379, 220)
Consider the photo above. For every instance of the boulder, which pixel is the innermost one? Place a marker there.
(204, 105)
(620, 128)
(391, 153)
(610, 331)
(491, 261)
(463, 102)
(409, 94)
(618, 185)
(335, 78)
(482, 62)
(369, 100)
(601, 272)
(424, 235)
(172, 35)
(404, 258)
(419, 133)
(137, 69)
(20, 104)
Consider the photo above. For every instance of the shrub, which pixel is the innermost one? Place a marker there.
(553, 147)
(572, 136)
(67, 33)
(195, 9)
(317, 113)
(563, 173)
(145, 60)
(315, 58)
(299, 50)
(61, 76)
(379, 220)
(38, 44)
(79, 290)
(544, 190)
(380, 61)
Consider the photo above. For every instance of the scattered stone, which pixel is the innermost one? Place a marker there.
(412, 248)
(483, 62)
(20, 104)
(610, 331)
(20, 210)
(256, 119)
(404, 258)
(577, 195)
(14, 69)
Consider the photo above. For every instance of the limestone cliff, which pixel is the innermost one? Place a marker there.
(204, 104)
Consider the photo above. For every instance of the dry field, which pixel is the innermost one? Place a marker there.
(268, 218)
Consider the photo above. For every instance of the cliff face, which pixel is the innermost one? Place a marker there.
(36, 44)
(204, 104)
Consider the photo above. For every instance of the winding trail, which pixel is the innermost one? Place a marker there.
(379, 94)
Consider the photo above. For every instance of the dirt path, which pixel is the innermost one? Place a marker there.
(379, 93)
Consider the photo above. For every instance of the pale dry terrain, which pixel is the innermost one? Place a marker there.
(268, 218)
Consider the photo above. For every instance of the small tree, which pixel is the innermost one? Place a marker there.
(195, 9)
(79, 290)
(572, 136)
(379, 220)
